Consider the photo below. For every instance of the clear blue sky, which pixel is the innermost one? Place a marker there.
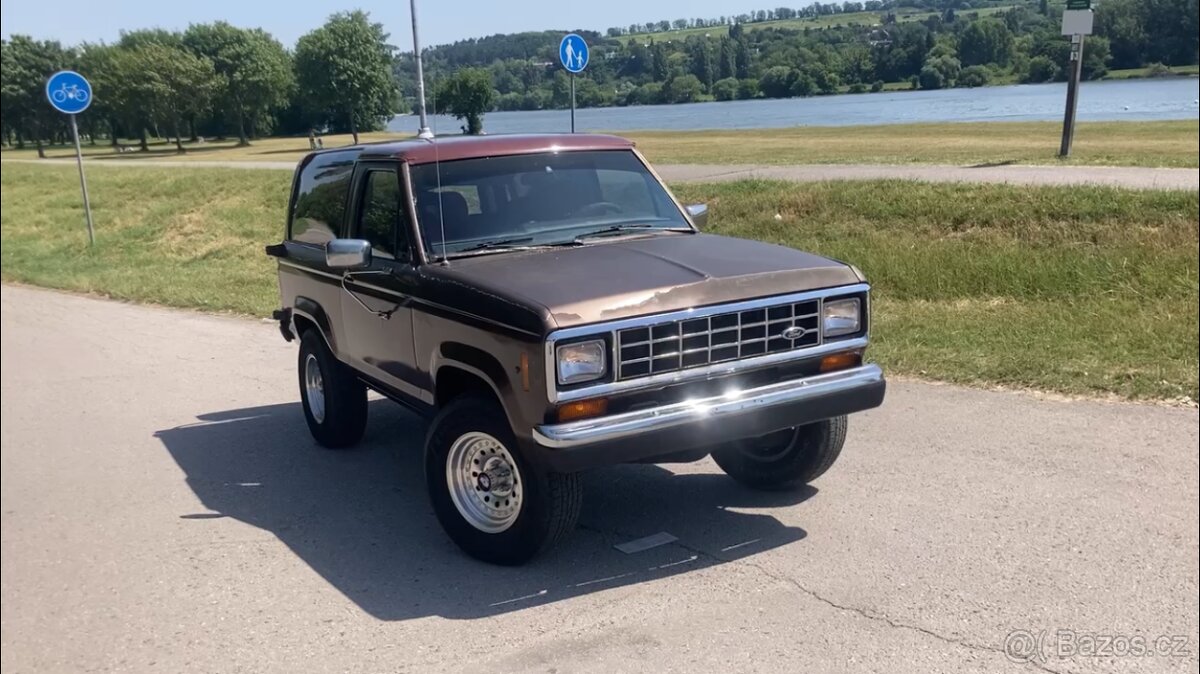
(442, 21)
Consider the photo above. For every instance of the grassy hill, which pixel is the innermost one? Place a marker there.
(903, 14)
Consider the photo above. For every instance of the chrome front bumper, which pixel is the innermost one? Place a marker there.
(792, 402)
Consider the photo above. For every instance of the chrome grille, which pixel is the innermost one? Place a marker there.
(695, 342)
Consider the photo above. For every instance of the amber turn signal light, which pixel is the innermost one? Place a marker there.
(841, 361)
(583, 409)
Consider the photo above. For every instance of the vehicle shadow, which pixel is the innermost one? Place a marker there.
(361, 518)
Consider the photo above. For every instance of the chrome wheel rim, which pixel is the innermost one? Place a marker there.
(314, 388)
(484, 481)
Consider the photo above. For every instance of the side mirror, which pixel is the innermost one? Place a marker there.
(347, 254)
(699, 214)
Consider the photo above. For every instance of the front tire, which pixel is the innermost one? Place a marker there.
(492, 502)
(334, 400)
(784, 459)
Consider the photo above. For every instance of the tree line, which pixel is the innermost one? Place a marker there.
(946, 44)
(213, 80)
(813, 11)
(218, 80)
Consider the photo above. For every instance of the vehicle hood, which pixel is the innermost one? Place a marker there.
(611, 280)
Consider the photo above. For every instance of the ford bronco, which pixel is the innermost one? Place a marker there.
(551, 307)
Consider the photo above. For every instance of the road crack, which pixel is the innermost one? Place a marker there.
(861, 612)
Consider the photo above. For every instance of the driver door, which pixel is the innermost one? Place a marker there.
(377, 304)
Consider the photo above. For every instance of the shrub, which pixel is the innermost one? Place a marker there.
(931, 78)
(725, 90)
(974, 76)
(1158, 70)
(1041, 69)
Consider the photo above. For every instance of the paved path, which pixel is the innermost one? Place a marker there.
(1017, 174)
(164, 509)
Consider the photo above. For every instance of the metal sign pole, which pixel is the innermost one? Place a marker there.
(87, 205)
(573, 54)
(1068, 133)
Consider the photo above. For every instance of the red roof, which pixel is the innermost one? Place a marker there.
(450, 148)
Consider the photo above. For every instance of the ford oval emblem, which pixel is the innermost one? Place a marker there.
(792, 332)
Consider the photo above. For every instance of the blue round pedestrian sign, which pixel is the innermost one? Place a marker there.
(68, 92)
(573, 52)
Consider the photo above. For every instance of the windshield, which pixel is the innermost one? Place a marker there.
(535, 200)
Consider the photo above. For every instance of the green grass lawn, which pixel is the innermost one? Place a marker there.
(1074, 290)
(1131, 73)
(1161, 143)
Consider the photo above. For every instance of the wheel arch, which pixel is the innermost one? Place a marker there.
(308, 313)
(459, 368)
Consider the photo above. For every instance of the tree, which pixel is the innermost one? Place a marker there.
(725, 89)
(802, 84)
(647, 94)
(973, 76)
(27, 63)
(1095, 58)
(826, 82)
(742, 54)
(704, 62)
(986, 41)
(253, 71)
(776, 82)
(727, 59)
(1041, 69)
(103, 66)
(931, 78)
(682, 89)
(947, 67)
(467, 95)
(747, 88)
(344, 67)
(177, 82)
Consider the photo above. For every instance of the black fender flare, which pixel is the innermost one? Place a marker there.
(485, 366)
(313, 311)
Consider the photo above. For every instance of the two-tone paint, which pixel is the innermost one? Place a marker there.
(431, 328)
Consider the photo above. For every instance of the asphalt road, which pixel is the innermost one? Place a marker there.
(1015, 174)
(165, 510)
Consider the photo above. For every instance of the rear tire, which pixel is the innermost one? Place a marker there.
(492, 502)
(784, 459)
(334, 400)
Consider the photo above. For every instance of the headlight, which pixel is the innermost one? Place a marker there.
(581, 361)
(841, 317)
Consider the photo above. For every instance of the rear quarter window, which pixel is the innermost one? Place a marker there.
(320, 205)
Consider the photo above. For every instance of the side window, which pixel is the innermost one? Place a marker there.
(320, 206)
(380, 217)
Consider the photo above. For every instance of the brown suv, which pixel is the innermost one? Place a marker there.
(552, 308)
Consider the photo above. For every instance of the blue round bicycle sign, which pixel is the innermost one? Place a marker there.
(68, 92)
(573, 52)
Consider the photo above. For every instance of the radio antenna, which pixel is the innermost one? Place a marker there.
(437, 169)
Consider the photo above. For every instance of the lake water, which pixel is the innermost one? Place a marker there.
(1144, 99)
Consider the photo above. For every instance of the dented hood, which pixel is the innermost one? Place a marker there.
(646, 275)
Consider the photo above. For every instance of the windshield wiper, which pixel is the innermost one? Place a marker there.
(498, 243)
(619, 229)
(509, 243)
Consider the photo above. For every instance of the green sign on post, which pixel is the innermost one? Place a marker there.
(1079, 4)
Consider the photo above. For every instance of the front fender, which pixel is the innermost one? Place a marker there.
(313, 311)
(489, 369)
